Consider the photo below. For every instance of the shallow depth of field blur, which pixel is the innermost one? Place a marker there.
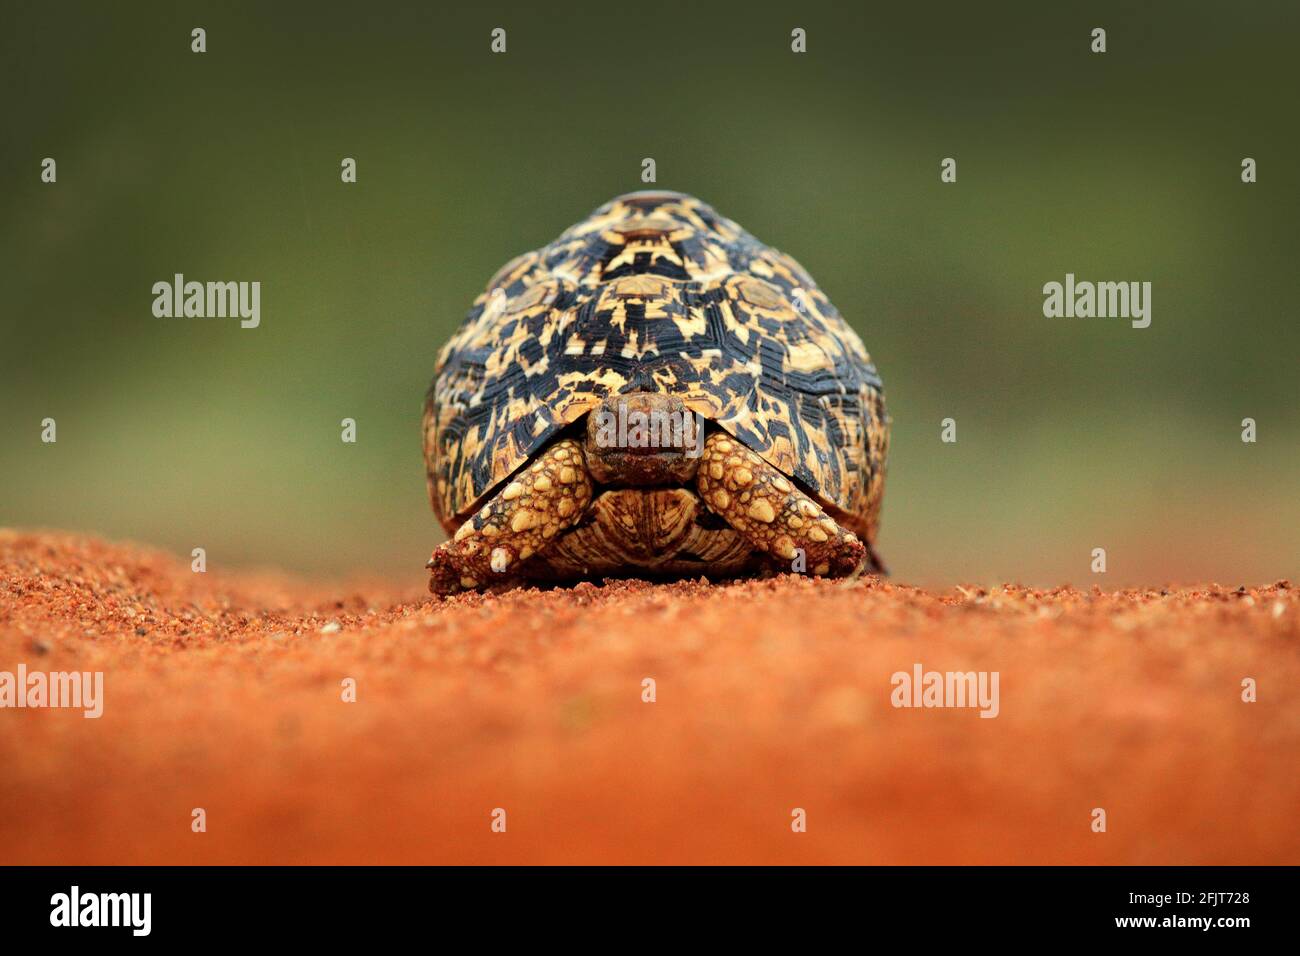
(1072, 433)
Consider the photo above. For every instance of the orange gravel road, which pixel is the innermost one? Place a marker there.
(224, 692)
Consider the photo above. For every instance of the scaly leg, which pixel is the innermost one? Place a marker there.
(770, 512)
(524, 517)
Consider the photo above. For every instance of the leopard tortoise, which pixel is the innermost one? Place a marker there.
(655, 392)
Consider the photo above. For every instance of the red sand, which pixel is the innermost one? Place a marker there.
(223, 692)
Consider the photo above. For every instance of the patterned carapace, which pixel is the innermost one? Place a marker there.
(655, 291)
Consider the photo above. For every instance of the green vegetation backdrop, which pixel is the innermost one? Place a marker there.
(1072, 433)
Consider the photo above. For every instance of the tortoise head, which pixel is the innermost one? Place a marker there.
(641, 439)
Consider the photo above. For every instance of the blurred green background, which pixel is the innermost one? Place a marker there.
(1072, 433)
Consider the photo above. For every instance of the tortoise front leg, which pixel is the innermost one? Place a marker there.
(524, 517)
(765, 507)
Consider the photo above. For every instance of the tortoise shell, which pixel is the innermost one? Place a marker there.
(655, 291)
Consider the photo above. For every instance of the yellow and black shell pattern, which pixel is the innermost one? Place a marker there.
(655, 291)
